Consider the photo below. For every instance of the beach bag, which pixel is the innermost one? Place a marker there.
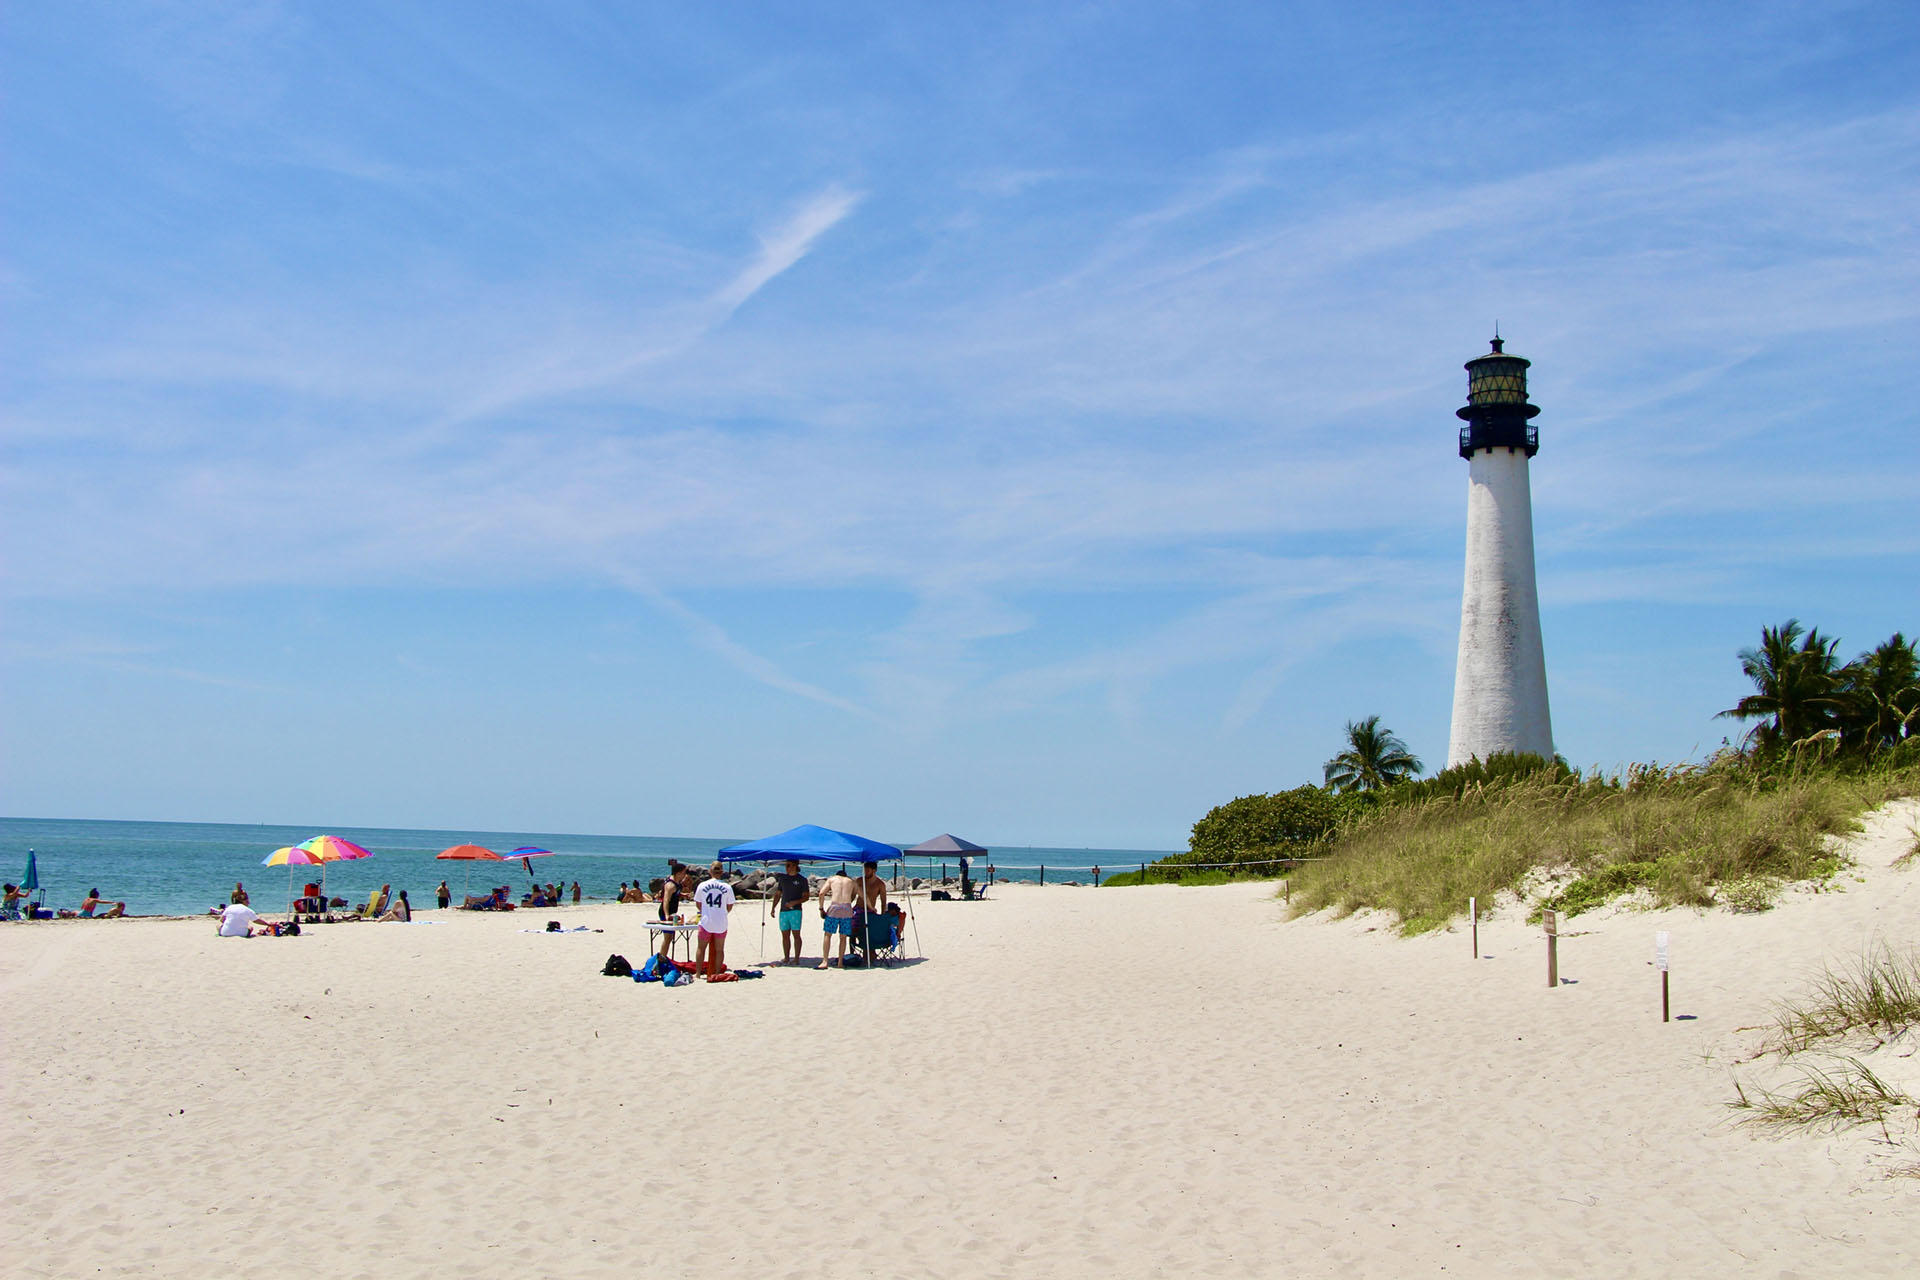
(617, 967)
(675, 976)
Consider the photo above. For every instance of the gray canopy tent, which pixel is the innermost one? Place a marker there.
(952, 846)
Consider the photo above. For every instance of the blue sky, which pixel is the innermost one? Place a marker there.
(1029, 421)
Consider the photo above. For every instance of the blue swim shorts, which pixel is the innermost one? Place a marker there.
(790, 921)
(840, 924)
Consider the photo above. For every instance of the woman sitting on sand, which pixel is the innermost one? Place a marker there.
(402, 910)
(94, 901)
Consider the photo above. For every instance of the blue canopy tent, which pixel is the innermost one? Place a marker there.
(808, 843)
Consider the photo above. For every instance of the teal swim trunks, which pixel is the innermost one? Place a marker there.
(790, 921)
(840, 925)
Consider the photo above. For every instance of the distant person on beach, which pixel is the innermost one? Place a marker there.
(237, 920)
(789, 898)
(95, 901)
(17, 902)
(715, 899)
(239, 894)
(966, 881)
(836, 912)
(576, 893)
(446, 895)
(402, 910)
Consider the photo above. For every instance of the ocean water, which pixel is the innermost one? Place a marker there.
(183, 868)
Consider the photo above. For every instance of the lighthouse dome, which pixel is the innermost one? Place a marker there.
(1497, 413)
(1498, 378)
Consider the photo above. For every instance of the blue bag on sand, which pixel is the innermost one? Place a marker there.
(649, 971)
(675, 976)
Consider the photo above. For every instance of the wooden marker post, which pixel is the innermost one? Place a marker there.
(1552, 922)
(1473, 913)
(1660, 961)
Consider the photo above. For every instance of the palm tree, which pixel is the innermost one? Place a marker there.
(1796, 682)
(1374, 758)
(1880, 695)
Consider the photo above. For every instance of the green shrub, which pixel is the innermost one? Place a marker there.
(1603, 886)
(1262, 828)
(1752, 894)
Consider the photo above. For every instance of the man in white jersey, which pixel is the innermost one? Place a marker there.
(714, 897)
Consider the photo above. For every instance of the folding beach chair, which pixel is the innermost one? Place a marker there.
(875, 939)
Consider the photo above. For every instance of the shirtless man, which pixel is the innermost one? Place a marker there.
(873, 891)
(836, 909)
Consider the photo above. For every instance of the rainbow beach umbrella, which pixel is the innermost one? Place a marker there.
(331, 849)
(291, 856)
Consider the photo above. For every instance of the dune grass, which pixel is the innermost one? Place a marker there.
(1827, 1098)
(1878, 996)
(1690, 835)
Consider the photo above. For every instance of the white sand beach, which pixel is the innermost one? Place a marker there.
(1075, 1082)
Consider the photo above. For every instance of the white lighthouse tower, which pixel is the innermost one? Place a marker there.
(1500, 685)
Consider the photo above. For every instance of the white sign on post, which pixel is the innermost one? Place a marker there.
(1660, 950)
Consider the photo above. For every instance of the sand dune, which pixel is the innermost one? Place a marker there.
(1114, 1082)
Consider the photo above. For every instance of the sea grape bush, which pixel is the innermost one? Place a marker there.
(1285, 824)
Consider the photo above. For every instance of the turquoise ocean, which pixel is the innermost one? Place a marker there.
(183, 868)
